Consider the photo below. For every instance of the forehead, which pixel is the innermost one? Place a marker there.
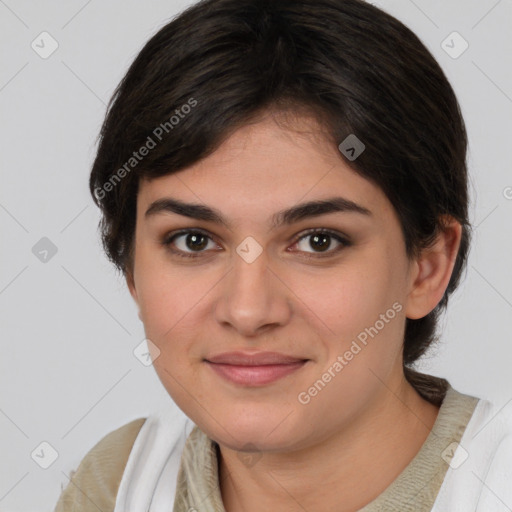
(266, 166)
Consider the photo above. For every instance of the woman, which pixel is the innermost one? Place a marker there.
(284, 187)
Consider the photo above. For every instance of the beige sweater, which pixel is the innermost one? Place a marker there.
(95, 484)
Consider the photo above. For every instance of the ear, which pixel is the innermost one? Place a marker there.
(432, 270)
(130, 281)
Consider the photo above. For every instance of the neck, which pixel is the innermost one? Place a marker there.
(344, 472)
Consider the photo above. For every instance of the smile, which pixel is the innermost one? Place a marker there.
(255, 375)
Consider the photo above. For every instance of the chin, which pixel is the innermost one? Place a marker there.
(250, 432)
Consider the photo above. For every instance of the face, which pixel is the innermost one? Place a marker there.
(325, 288)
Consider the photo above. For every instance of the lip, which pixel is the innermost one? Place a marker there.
(254, 369)
(241, 358)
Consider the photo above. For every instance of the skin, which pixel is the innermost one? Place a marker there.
(344, 447)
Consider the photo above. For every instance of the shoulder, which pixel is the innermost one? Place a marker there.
(492, 421)
(154, 462)
(95, 483)
(480, 471)
(489, 431)
(492, 432)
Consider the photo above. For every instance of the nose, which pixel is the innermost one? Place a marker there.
(251, 298)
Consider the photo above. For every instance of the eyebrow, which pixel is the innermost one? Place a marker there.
(288, 216)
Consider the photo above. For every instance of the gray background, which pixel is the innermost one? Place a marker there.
(68, 374)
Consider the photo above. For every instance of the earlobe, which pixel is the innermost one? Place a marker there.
(434, 268)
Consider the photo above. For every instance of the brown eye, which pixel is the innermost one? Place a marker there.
(187, 242)
(321, 241)
(196, 241)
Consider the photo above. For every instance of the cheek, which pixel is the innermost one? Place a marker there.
(363, 310)
(169, 294)
(174, 304)
(351, 297)
(170, 309)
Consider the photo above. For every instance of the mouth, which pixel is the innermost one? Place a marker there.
(254, 369)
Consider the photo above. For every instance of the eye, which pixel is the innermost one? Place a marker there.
(195, 241)
(321, 241)
(192, 243)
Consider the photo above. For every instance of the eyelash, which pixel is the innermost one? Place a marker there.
(169, 239)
